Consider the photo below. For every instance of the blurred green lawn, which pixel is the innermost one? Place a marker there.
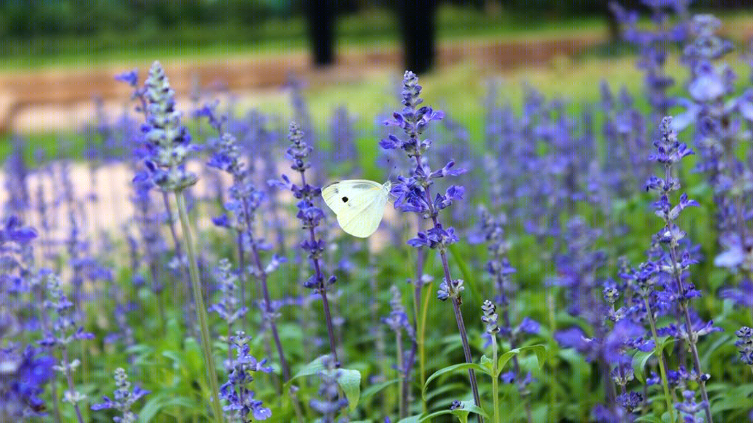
(372, 27)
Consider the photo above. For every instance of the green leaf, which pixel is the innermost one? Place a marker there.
(193, 356)
(666, 342)
(140, 354)
(700, 189)
(150, 409)
(665, 418)
(449, 369)
(720, 341)
(718, 387)
(156, 404)
(139, 349)
(740, 397)
(460, 413)
(488, 364)
(411, 419)
(539, 349)
(314, 367)
(541, 353)
(447, 387)
(619, 205)
(639, 363)
(504, 358)
(451, 343)
(176, 358)
(432, 415)
(373, 389)
(580, 370)
(349, 380)
(648, 418)
(471, 407)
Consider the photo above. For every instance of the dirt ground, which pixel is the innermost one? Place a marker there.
(48, 100)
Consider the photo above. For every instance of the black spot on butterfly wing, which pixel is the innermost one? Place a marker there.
(345, 199)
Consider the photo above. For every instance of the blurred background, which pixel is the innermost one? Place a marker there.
(59, 56)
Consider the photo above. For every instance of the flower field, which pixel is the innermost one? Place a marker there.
(552, 260)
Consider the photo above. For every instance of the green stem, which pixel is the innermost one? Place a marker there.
(160, 302)
(660, 353)
(296, 405)
(553, 368)
(495, 380)
(201, 311)
(71, 387)
(466, 347)
(55, 401)
(422, 337)
(400, 375)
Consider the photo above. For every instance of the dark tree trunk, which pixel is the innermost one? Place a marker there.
(615, 34)
(417, 23)
(321, 26)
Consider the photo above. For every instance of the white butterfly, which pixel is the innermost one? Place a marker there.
(358, 204)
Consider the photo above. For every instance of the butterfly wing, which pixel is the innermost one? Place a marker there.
(358, 204)
(367, 221)
(349, 195)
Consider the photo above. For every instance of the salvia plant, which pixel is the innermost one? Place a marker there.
(310, 217)
(61, 333)
(123, 398)
(240, 402)
(329, 401)
(592, 262)
(168, 144)
(244, 201)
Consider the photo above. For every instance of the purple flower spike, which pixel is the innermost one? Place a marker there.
(413, 193)
(240, 401)
(123, 399)
(168, 141)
